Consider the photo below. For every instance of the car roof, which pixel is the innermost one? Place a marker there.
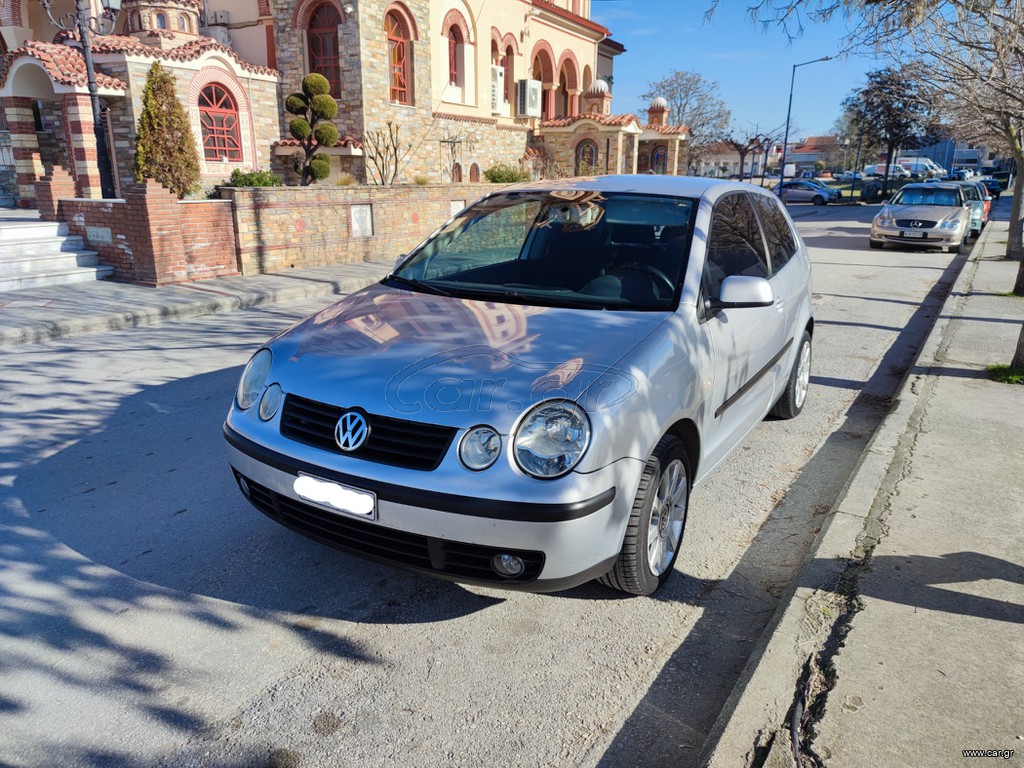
(638, 183)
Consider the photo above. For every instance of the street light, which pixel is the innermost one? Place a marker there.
(785, 141)
(88, 26)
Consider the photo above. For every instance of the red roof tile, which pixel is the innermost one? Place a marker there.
(609, 120)
(62, 63)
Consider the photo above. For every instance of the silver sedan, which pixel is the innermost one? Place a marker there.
(530, 396)
(934, 215)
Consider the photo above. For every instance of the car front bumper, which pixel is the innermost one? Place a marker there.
(932, 238)
(446, 535)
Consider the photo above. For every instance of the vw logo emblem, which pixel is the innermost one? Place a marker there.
(352, 431)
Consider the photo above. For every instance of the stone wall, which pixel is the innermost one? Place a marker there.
(278, 228)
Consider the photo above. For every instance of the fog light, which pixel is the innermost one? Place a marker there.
(270, 401)
(244, 487)
(508, 566)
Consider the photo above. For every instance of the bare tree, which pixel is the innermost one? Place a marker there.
(693, 102)
(384, 152)
(743, 142)
(454, 141)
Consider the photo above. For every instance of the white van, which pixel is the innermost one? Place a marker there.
(923, 167)
(895, 172)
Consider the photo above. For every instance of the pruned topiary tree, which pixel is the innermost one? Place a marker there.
(312, 107)
(165, 147)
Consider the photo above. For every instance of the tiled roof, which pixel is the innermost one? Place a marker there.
(609, 120)
(465, 118)
(189, 51)
(343, 141)
(62, 63)
(669, 130)
(592, 25)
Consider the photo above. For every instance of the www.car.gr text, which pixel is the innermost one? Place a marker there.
(1006, 754)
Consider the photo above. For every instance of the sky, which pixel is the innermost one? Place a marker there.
(752, 67)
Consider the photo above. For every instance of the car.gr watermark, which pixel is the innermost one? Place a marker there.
(482, 379)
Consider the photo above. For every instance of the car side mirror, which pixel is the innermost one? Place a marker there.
(743, 292)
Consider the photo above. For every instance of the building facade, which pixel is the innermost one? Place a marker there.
(458, 88)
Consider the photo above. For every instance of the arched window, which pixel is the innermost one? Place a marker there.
(510, 84)
(474, 172)
(182, 24)
(322, 44)
(218, 117)
(456, 173)
(643, 163)
(161, 21)
(399, 59)
(586, 157)
(455, 43)
(659, 160)
(135, 23)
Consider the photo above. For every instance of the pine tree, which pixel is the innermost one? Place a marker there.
(165, 149)
(314, 107)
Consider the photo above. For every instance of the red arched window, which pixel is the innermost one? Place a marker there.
(454, 54)
(510, 85)
(322, 44)
(399, 59)
(218, 117)
(456, 173)
(474, 172)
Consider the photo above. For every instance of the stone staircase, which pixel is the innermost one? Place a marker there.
(40, 253)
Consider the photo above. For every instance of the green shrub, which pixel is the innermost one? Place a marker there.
(505, 173)
(255, 178)
(421, 179)
(165, 147)
(311, 107)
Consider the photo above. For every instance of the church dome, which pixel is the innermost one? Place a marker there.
(599, 88)
(659, 102)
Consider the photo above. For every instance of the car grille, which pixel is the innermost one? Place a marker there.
(921, 224)
(376, 542)
(400, 443)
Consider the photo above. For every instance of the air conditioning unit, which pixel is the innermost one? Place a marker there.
(497, 89)
(220, 17)
(528, 98)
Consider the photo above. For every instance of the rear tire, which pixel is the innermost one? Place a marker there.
(795, 394)
(656, 522)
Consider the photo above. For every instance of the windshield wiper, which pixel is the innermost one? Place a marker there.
(417, 284)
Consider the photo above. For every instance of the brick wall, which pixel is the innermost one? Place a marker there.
(278, 228)
(149, 237)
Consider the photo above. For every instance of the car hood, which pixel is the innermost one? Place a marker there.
(923, 212)
(458, 362)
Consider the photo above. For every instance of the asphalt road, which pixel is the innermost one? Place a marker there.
(150, 616)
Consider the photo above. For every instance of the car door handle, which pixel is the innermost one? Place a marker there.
(780, 304)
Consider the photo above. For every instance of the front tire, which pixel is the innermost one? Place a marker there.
(795, 394)
(875, 244)
(818, 200)
(656, 522)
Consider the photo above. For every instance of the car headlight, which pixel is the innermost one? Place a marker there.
(950, 224)
(551, 439)
(253, 378)
(480, 447)
(884, 219)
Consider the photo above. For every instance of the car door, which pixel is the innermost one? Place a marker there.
(746, 342)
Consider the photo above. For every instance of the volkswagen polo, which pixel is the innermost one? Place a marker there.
(528, 399)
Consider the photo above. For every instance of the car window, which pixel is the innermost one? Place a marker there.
(735, 245)
(591, 250)
(781, 241)
(972, 192)
(927, 196)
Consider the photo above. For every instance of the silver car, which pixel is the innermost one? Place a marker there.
(934, 215)
(807, 191)
(530, 396)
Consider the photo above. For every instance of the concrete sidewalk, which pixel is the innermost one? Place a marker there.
(37, 314)
(902, 642)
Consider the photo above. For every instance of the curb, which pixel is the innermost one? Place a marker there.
(756, 710)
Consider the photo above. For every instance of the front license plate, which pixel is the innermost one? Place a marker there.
(911, 234)
(338, 497)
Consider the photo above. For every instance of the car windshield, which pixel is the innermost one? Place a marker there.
(926, 196)
(972, 192)
(570, 248)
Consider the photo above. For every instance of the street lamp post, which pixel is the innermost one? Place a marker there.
(789, 111)
(87, 26)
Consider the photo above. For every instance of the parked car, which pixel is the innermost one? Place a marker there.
(922, 214)
(849, 176)
(994, 187)
(1005, 178)
(807, 191)
(893, 171)
(528, 399)
(976, 196)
